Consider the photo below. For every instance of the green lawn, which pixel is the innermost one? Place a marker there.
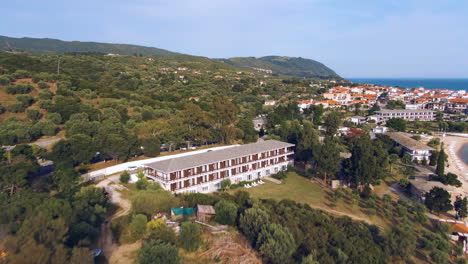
(302, 190)
(294, 187)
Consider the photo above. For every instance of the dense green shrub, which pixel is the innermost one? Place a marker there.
(4, 80)
(55, 118)
(226, 212)
(46, 95)
(124, 177)
(158, 229)
(280, 175)
(33, 114)
(20, 74)
(42, 85)
(149, 202)
(192, 199)
(45, 104)
(156, 251)
(151, 147)
(25, 99)
(276, 243)
(19, 89)
(190, 236)
(138, 226)
(16, 107)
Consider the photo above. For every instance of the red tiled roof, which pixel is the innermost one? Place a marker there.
(459, 227)
(459, 100)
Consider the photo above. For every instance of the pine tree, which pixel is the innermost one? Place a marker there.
(440, 169)
(461, 207)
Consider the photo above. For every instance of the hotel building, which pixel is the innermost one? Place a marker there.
(417, 150)
(409, 115)
(204, 172)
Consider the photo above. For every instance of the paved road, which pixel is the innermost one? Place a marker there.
(124, 166)
(46, 143)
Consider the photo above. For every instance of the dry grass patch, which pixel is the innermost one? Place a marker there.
(228, 248)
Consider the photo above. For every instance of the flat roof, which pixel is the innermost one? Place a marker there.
(403, 110)
(180, 163)
(423, 184)
(407, 142)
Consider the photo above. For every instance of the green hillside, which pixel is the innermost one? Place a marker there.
(47, 45)
(288, 66)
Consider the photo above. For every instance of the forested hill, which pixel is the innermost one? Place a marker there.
(285, 66)
(47, 45)
(288, 66)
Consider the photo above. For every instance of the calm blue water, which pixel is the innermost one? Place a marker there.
(450, 84)
(463, 154)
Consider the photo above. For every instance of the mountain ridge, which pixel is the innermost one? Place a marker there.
(51, 45)
(276, 65)
(284, 65)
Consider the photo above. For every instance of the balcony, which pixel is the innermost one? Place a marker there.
(282, 158)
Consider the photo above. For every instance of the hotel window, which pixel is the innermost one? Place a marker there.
(267, 172)
(204, 189)
(259, 174)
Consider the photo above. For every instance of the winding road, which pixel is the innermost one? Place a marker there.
(114, 252)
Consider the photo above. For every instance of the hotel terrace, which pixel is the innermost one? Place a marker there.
(204, 172)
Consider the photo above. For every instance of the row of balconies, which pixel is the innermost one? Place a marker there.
(224, 164)
(197, 182)
(252, 164)
(222, 171)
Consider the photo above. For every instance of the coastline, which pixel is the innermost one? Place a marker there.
(454, 84)
(460, 155)
(453, 146)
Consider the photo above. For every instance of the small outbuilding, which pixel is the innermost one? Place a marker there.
(205, 212)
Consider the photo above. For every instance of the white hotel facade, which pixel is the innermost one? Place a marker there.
(204, 172)
(409, 115)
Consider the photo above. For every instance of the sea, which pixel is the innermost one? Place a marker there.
(427, 83)
(463, 154)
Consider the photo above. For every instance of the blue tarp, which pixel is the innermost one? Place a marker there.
(181, 210)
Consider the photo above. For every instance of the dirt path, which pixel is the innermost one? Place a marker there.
(354, 217)
(268, 178)
(114, 187)
(116, 253)
(125, 254)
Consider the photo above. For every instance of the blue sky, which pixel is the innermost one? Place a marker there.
(357, 38)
